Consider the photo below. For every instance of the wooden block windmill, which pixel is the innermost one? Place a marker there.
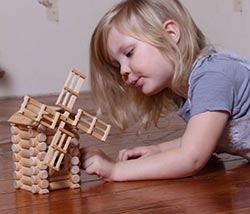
(46, 142)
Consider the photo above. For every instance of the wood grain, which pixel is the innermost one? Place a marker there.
(223, 186)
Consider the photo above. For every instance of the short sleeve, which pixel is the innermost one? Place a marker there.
(210, 91)
(218, 83)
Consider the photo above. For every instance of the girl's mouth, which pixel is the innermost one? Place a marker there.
(136, 83)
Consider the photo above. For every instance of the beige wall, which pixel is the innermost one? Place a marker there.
(224, 22)
(37, 53)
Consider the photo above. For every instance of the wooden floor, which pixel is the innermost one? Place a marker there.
(222, 187)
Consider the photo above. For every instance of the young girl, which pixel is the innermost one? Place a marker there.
(147, 55)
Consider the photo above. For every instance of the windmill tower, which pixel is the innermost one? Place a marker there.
(46, 142)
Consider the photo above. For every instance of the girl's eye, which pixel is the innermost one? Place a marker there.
(130, 53)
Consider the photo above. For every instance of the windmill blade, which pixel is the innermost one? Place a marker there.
(70, 91)
(39, 113)
(58, 147)
(91, 125)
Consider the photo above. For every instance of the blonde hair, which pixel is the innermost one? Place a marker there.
(143, 20)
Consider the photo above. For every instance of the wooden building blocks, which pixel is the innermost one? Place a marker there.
(46, 141)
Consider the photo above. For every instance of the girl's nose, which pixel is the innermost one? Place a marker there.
(124, 70)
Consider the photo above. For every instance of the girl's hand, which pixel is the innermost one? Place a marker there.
(96, 162)
(138, 152)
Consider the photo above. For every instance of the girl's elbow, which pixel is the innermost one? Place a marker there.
(195, 165)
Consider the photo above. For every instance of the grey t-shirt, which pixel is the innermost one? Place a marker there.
(220, 81)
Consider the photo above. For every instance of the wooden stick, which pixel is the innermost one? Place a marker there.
(35, 142)
(32, 133)
(24, 135)
(41, 128)
(43, 174)
(59, 185)
(43, 191)
(41, 137)
(75, 170)
(23, 172)
(16, 157)
(42, 166)
(75, 160)
(25, 153)
(26, 187)
(17, 166)
(61, 141)
(41, 147)
(15, 139)
(67, 132)
(37, 189)
(24, 104)
(73, 80)
(59, 161)
(17, 184)
(72, 92)
(17, 175)
(41, 156)
(34, 170)
(14, 130)
(43, 183)
(25, 162)
(15, 148)
(75, 179)
(68, 141)
(24, 144)
(41, 112)
(72, 101)
(55, 120)
(26, 171)
(34, 161)
(26, 180)
(33, 151)
(78, 85)
(63, 185)
(79, 73)
(59, 178)
(75, 186)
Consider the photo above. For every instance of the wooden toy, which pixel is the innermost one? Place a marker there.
(46, 141)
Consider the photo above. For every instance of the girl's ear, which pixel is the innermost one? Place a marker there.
(172, 29)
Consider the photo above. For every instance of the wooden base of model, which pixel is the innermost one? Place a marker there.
(30, 145)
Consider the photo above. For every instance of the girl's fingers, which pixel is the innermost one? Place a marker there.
(122, 156)
(126, 154)
(88, 166)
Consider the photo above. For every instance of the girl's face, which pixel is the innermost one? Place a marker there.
(141, 65)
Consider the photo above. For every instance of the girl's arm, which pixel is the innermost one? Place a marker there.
(196, 147)
(145, 151)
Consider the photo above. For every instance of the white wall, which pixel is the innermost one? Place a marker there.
(37, 54)
(222, 23)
